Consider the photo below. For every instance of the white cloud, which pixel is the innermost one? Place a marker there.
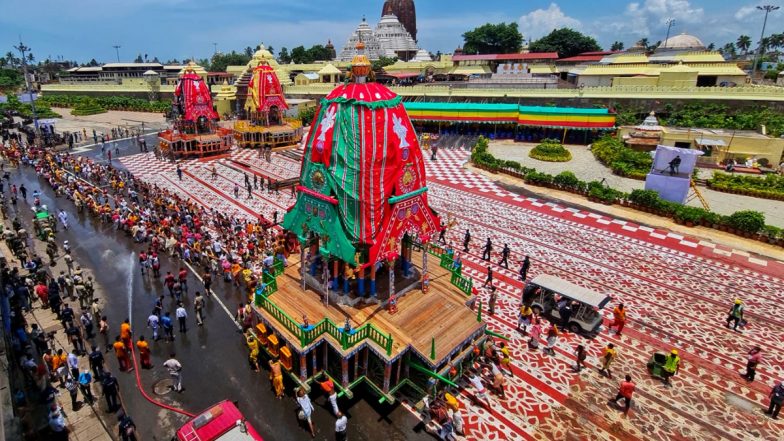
(744, 12)
(541, 22)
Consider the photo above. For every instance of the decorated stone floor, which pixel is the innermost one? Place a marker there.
(677, 291)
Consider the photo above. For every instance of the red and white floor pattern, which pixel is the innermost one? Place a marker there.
(677, 291)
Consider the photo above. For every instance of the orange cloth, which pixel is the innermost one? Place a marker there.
(125, 331)
(619, 315)
(119, 349)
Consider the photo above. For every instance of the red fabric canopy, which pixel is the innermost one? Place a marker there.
(194, 98)
(265, 90)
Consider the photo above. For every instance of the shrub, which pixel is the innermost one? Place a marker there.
(622, 160)
(87, 107)
(771, 186)
(568, 180)
(747, 221)
(685, 213)
(550, 150)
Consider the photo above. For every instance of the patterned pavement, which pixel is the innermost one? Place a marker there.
(677, 291)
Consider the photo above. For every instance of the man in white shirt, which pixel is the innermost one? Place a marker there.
(175, 372)
(341, 425)
(181, 316)
(152, 322)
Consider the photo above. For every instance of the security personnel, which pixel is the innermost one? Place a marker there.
(671, 365)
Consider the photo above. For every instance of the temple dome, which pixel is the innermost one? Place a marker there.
(682, 41)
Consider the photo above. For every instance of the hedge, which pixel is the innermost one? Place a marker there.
(770, 187)
(87, 107)
(747, 223)
(550, 150)
(107, 102)
(622, 160)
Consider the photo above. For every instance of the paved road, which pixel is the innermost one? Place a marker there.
(214, 356)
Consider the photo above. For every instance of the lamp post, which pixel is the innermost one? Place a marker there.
(22, 49)
(117, 50)
(768, 9)
(669, 22)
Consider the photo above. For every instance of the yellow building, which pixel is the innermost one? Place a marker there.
(718, 145)
(304, 79)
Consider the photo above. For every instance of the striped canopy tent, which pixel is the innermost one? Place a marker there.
(363, 183)
(536, 116)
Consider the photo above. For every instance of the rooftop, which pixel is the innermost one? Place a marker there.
(508, 57)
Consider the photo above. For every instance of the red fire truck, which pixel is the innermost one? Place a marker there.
(221, 422)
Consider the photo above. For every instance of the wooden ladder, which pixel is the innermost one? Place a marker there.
(697, 194)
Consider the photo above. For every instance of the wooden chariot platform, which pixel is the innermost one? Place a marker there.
(434, 330)
(249, 135)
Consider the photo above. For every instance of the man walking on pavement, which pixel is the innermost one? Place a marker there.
(152, 322)
(96, 362)
(110, 389)
(752, 360)
(179, 172)
(608, 356)
(466, 240)
(489, 279)
(198, 308)
(619, 319)
(735, 315)
(524, 268)
(671, 366)
(625, 391)
(504, 257)
(487, 250)
(341, 426)
(175, 372)
(181, 316)
(776, 400)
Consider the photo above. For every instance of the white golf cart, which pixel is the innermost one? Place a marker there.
(542, 295)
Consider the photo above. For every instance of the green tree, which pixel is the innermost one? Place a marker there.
(249, 51)
(729, 50)
(283, 56)
(205, 63)
(10, 80)
(617, 46)
(743, 43)
(383, 62)
(93, 63)
(711, 47)
(138, 59)
(501, 38)
(307, 115)
(271, 50)
(567, 42)
(220, 61)
(299, 55)
(318, 53)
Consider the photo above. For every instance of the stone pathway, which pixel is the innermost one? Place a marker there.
(587, 168)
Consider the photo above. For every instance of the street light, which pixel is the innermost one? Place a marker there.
(117, 50)
(22, 49)
(669, 22)
(768, 9)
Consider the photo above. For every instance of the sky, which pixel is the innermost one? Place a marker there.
(84, 29)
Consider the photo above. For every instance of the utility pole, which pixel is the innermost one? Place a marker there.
(670, 21)
(768, 9)
(117, 50)
(22, 49)
(215, 46)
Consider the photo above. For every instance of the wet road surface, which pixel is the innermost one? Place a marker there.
(214, 357)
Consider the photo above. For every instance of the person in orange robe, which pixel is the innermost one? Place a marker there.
(125, 333)
(122, 354)
(144, 353)
(619, 318)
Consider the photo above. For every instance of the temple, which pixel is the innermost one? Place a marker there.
(195, 132)
(364, 229)
(263, 123)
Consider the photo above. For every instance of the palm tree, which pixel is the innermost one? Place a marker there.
(30, 57)
(729, 50)
(643, 42)
(9, 56)
(743, 43)
(617, 46)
